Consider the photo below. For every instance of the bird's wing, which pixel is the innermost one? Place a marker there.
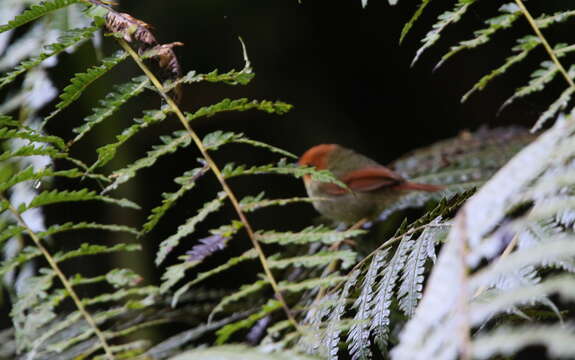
(365, 180)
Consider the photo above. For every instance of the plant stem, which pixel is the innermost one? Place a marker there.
(54, 265)
(215, 169)
(545, 43)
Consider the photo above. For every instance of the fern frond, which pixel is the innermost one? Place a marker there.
(36, 11)
(189, 227)
(68, 39)
(243, 292)
(510, 13)
(407, 27)
(323, 258)
(171, 144)
(29, 174)
(557, 105)
(330, 340)
(32, 136)
(253, 203)
(239, 105)
(31, 150)
(81, 81)
(71, 226)
(523, 48)
(187, 182)
(110, 104)
(56, 196)
(359, 332)
(228, 330)
(175, 273)
(447, 18)
(312, 234)
(557, 339)
(107, 152)
(385, 289)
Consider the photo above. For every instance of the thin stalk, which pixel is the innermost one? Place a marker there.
(54, 265)
(545, 43)
(215, 169)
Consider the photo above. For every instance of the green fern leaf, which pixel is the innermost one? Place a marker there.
(243, 292)
(55, 196)
(110, 104)
(69, 38)
(189, 227)
(539, 79)
(253, 203)
(32, 136)
(70, 226)
(228, 330)
(323, 258)
(10, 231)
(28, 174)
(560, 103)
(91, 249)
(511, 13)
(243, 104)
(31, 150)
(310, 284)
(25, 255)
(238, 352)
(107, 152)
(35, 11)
(523, 48)
(81, 81)
(312, 234)
(187, 182)
(171, 144)
(232, 77)
(444, 20)
(407, 27)
(175, 273)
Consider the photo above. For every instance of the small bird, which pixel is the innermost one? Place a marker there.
(371, 186)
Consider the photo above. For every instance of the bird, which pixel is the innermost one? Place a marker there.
(371, 187)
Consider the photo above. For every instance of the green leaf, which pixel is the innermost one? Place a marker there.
(187, 182)
(228, 330)
(91, 249)
(34, 12)
(511, 13)
(32, 136)
(107, 152)
(69, 38)
(28, 174)
(407, 27)
(110, 104)
(189, 227)
(56, 196)
(243, 104)
(171, 144)
(81, 81)
(445, 19)
(71, 226)
(239, 352)
(312, 234)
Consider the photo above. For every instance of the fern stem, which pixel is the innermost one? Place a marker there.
(215, 169)
(548, 48)
(54, 265)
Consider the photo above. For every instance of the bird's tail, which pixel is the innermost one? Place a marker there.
(420, 187)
